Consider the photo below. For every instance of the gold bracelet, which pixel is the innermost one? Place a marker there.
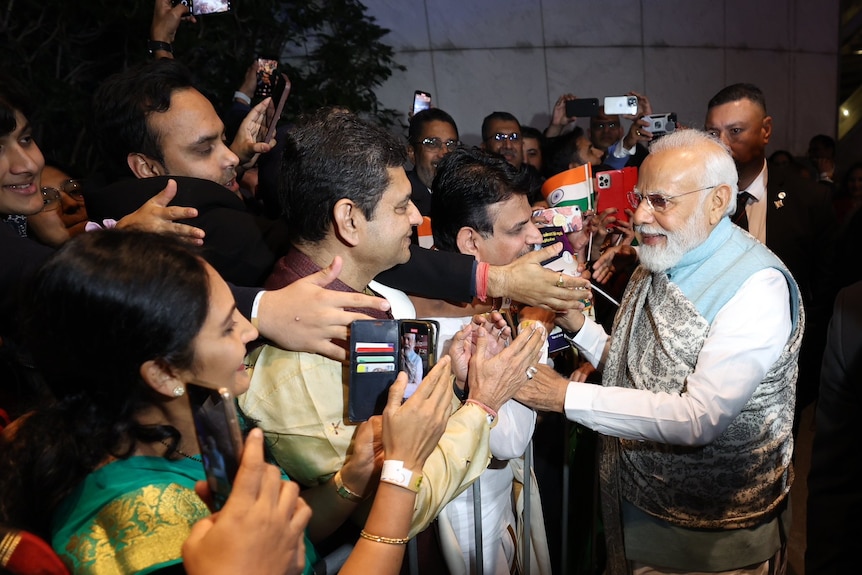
(381, 539)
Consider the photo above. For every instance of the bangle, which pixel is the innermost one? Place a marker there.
(482, 281)
(343, 491)
(395, 473)
(492, 415)
(380, 539)
(155, 45)
(242, 96)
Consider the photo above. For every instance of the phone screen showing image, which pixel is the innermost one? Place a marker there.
(200, 7)
(219, 438)
(267, 78)
(421, 101)
(417, 352)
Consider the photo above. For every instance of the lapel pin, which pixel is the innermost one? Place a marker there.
(780, 202)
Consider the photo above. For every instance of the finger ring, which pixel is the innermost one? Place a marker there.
(531, 371)
(560, 282)
(638, 132)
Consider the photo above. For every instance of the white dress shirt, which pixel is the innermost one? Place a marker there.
(745, 339)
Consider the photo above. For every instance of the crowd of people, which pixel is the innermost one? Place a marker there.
(213, 258)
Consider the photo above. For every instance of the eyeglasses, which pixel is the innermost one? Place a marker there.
(605, 125)
(74, 188)
(500, 137)
(658, 202)
(437, 144)
(50, 199)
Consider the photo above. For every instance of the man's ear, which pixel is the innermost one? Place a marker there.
(160, 377)
(718, 203)
(767, 129)
(144, 166)
(348, 222)
(411, 154)
(468, 241)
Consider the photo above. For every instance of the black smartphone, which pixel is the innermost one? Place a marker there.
(219, 438)
(421, 101)
(267, 77)
(582, 108)
(283, 91)
(375, 347)
(418, 350)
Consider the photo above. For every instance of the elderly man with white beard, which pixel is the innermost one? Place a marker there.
(696, 403)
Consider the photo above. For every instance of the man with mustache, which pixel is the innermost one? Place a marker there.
(501, 134)
(698, 386)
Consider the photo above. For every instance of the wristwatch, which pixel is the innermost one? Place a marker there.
(154, 45)
(343, 491)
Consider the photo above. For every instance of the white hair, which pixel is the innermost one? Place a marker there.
(717, 167)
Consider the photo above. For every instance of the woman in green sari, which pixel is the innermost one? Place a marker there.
(120, 323)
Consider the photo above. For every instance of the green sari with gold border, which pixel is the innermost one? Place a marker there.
(132, 516)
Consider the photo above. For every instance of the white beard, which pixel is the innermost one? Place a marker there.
(662, 258)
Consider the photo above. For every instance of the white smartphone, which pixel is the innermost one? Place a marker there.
(625, 105)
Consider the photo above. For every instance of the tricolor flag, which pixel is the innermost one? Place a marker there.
(571, 188)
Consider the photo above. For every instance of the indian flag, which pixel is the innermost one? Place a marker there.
(571, 188)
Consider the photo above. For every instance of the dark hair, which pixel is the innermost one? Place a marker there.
(12, 99)
(417, 123)
(562, 151)
(123, 103)
(826, 142)
(531, 132)
(332, 155)
(99, 308)
(736, 92)
(467, 182)
(502, 116)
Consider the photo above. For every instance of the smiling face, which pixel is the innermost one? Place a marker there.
(667, 236)
(219, 347)
(21, 164)
(191, 139)
(514, 234)
(387, 235)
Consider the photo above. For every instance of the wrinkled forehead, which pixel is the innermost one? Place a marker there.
(603, 118)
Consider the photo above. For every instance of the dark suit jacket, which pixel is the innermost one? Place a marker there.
(235, 243)
(835, 479)
(20, 258)
(801, 229)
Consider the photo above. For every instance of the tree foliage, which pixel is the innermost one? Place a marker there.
(61, 49)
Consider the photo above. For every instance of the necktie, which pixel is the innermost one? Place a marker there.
(739, 217)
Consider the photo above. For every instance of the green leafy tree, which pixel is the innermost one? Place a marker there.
(61, 49)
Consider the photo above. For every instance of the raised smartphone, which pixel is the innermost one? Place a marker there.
(624, 105)
(612, 188)
(219, 438)
(582, 108)
(375, 348)
(421, 101)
